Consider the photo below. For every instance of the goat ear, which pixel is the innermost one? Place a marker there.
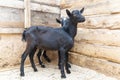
(57, 20)
(81, 11)
(68, 13)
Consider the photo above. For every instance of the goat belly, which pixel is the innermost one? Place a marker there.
(48, 45)
(52, 39)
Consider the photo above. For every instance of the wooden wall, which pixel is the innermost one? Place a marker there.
(12, 25)
(97, 44)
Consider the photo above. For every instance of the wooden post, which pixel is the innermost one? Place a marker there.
(27, 13)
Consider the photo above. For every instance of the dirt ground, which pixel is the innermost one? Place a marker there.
(51, 72)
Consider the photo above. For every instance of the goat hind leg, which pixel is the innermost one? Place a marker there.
(23, 58)
(59, 59)
(46, 57)
(31, 55)
(39, 58)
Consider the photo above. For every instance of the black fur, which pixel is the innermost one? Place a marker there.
(47, 38)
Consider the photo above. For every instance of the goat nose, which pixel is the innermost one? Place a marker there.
(83, 19)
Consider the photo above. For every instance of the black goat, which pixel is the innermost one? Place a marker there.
(47, 38)
(43, 52)
(62, 21)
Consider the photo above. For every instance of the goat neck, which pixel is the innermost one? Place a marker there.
(71, 28)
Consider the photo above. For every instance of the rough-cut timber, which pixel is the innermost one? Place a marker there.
(12, 25)
(108, 21)
(99, 37)
(34, 6)
(110, 53)
(94, 7)
(12, 14)
(100, 65)
(102, 36)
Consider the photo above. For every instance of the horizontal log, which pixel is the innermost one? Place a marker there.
(48, 2)
(11, 17)
(110, 53)
(94, 7)
(45, 8)
(11, 30)
(102, 22)
(11, 24)
(11, 50)
(34, 6)
(102, 36)
(100, 65)
(42, 18)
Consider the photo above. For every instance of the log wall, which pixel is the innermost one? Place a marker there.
(97, 44)
(12, 25)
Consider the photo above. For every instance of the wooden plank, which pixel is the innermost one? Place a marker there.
(11, 17)
(45, 8)
(27, 13)
(48, 2)
(101, 65)
(102, 22)
(11, 30)
(64, 4)
(110, 53)
(11, 24)
(94, 7)
(101, 36)
(34, 6)
(12, 3)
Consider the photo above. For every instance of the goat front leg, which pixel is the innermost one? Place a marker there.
(67, 58)
(39, 55)
(62, 62)
(67, 65)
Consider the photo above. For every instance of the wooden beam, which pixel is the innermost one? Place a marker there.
(34, 6)
(48, 2)
(11, 30)
(27, 13)
(64, 5)
(12, 24)
(12, 4)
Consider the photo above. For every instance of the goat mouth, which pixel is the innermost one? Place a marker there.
(83, 20)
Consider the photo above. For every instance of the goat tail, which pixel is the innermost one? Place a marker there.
(23, 35)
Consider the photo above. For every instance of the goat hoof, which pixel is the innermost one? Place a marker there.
(63, 76)
(43, 66)
(68, 71)
(69, 65)
(22, 74)
(35, 70)
(49, 60)
(59, 67)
